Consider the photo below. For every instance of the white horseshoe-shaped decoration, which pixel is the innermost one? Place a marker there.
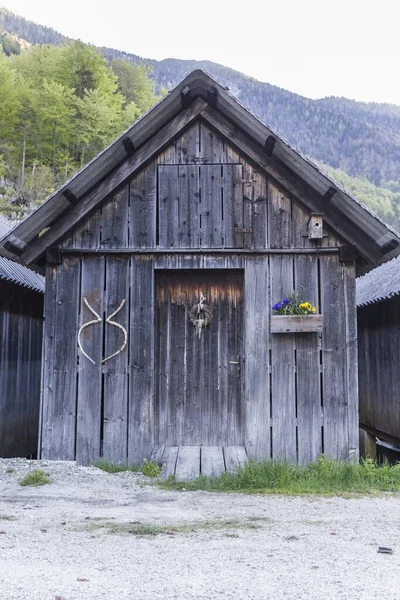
(125, 342)
(110, 322)
(93, 322)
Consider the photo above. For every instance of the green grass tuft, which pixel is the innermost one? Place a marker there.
(35, 478)
(7, 518)
(110, 467)
(325, 476)
(150, 469)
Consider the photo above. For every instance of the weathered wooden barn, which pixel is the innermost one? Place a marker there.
(21, 325)
(163, 258)
(378, 302)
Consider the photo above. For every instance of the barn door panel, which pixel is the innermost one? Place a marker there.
(199, 373)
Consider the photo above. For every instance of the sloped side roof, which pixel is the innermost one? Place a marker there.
(374, 240)
(379, 284)
(12, 271)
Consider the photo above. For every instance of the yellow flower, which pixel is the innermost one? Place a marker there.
(303, 305)
(313, 309)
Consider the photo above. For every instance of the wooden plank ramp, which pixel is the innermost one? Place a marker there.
(189, 462)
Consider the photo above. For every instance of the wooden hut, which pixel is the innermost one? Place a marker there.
(163, 258)
(378, 302)
(21, 324)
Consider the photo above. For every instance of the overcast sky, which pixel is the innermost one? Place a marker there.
(315, 48)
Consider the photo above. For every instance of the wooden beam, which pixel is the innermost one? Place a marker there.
(113, 181)
(327, 197)
(201, 251)
(269, 145)
(129, 146)
(186, 97)
(70, 196)
(292, 183)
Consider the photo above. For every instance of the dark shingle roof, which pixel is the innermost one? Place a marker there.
(12, 271)
(379, 284)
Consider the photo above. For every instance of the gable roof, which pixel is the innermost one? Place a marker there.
(379, 284)
(200, 96)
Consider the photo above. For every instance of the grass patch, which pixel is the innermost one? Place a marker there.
(7, 518)
(10, 470)
(110, 467)
(35, 478)
(325, 477)
(150, 530)
(150, 469)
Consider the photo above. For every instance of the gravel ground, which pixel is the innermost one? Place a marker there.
(56, 543)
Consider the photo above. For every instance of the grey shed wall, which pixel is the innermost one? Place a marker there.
(21, 325)
(199, 217)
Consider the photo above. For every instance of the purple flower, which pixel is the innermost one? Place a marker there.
(277, 306)
(286, 301)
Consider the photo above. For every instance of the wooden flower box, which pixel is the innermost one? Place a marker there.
(296, 324)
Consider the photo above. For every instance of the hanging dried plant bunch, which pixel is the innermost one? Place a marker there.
(200, 315)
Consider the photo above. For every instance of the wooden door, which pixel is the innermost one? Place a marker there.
(199, 370)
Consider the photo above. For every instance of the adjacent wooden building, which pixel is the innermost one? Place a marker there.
(21, 325)
(163, 259)
(378, 302)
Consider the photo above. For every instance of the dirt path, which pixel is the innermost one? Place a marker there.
(68, 541)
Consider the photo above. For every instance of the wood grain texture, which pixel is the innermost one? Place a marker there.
(379, 365)
(115, 370)
(235, 458)
(212, 461)
(59, 389)
(21, 323)
(351, 381)
(335, 400)
(199, 377)
(257, 384)
(283, 365)
(308, 388)
(141, 365)
(188, 463)
(90, 381)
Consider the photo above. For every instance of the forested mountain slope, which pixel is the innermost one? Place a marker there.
(358, 139)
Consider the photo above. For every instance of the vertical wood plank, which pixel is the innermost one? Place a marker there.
(188, 145)
(211, 206)
(143, 208)
(352, 359)
(87, 234)
(257, 313)
(279, 217)
(115, 220)
(89, 404)
(232, 198)
(309, 412)
(59, 391)
(336, 431)
(283, 366)
(115, 395)
(212, 146)
(187, 225)
(141, 346)
(168, 202)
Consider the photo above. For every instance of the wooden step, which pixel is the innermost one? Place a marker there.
(189, 462)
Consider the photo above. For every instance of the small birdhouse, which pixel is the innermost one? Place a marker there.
(316, 226)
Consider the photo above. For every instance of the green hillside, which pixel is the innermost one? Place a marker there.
(353, 139)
